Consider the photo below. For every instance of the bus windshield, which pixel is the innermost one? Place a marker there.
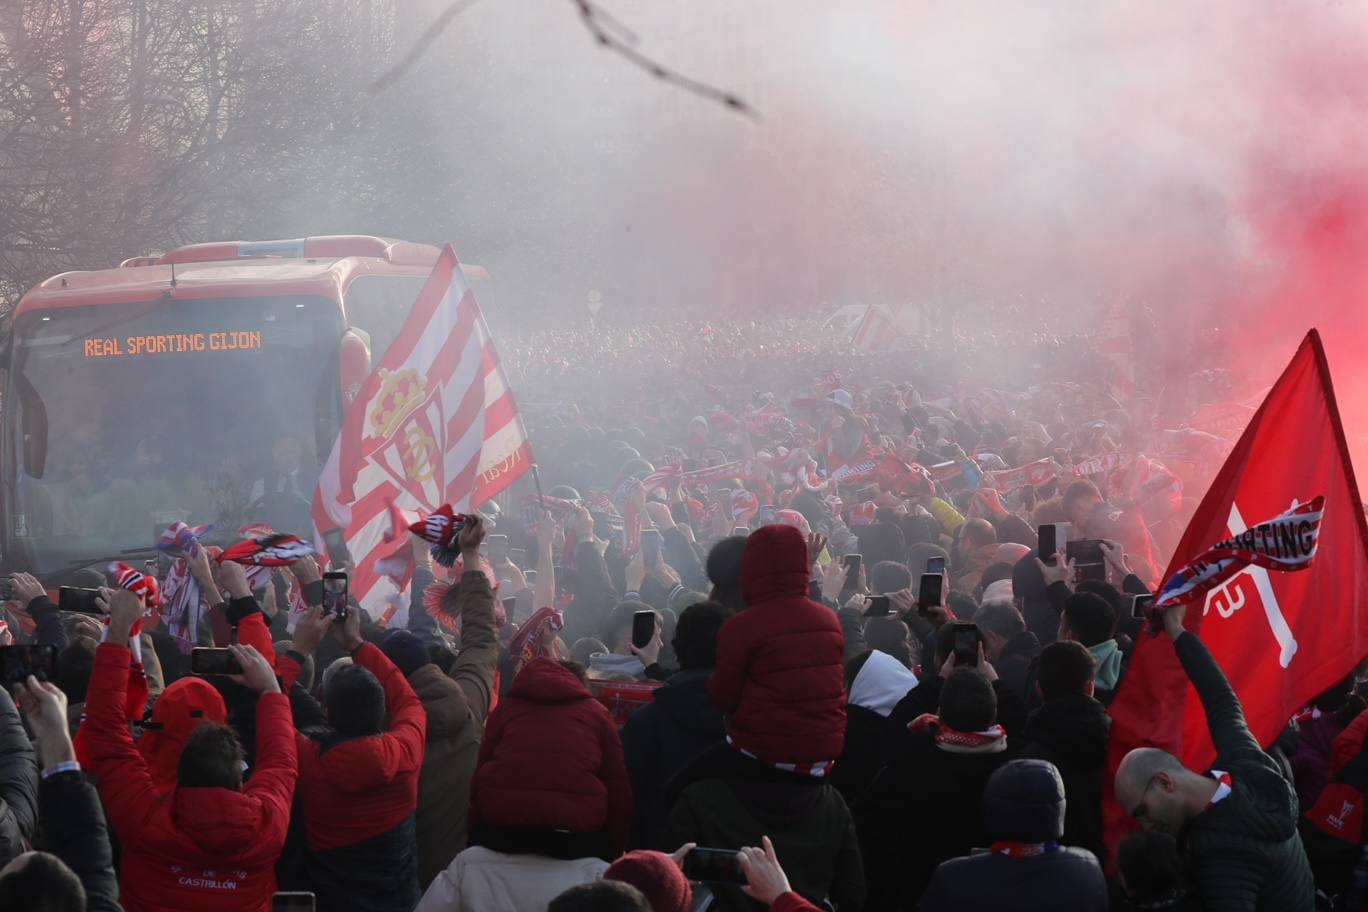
(125, 418)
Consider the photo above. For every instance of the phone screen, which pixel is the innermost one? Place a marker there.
(966, 645)
(1140, 606)
(852, 564)
(929, 593)
(1048, 545)
(293, 902)
(935, 565)
(643, 628)
(81, 601)
(207, 661)
(714, 866)
(18, 662)
(650, 546)
(335, 595)
(510, 606)
(879, 606)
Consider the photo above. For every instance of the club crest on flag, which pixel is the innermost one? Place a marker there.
(409, 441)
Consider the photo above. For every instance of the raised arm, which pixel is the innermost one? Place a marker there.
(277, 764)
(119, 769)
(544, 592)
(1225, 716)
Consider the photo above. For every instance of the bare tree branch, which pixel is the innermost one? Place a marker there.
(605, 29)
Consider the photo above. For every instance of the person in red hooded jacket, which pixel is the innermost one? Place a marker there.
(780, 678)
(551, 778)
(212, 843)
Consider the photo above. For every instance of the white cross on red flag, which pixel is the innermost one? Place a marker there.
(1280, 637)
(434, 423)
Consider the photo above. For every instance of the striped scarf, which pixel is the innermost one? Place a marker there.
(817, 770)
(992, 740)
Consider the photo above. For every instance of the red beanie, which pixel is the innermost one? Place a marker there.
(657, 876)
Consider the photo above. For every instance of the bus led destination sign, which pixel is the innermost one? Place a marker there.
(172, 344)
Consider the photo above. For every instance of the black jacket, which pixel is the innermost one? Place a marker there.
(1024, 801)
(923, 809)
(74, 830)
(1072, 733)
(660, 740)
(18, 783)
(1014, 664)
(728, 801)
(1068, 880)
(1244, 852)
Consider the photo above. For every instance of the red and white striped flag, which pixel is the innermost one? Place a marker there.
(434, 423)
(876, 331)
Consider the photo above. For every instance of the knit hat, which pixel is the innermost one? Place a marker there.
(405, 650)
(657, 876)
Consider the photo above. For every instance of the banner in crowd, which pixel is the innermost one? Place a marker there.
(1280, 637)
(434, 423)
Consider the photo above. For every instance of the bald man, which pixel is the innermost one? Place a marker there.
(1237, 823)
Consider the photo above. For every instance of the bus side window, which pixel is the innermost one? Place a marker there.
(379, 305)
(34, 427)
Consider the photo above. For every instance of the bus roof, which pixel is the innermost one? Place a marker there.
(322, 267)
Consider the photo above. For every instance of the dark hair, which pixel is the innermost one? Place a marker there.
(441, 656)
(74, 665)
(920, 553)
(601, 896)
(888, 634)
(212, 758)
(1001, 618)
(1091, 620)
(1151, 867)
(724, 564)
(576, 669)
(621, 619)
(695, 636)
(1078, 491)
(1065, 668)
(41, 883)
(994, 573)
(889, 576)
(355, 701)
(967, 701)
(961, 603)
(1106, 590)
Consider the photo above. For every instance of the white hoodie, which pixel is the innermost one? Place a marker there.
(881, 683)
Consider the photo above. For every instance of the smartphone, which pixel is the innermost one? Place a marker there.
(1140, 606)
(1047, 543)
(743, 531)
(509, 605)
(767, 515)
(714, 866)
(18, 662)
(650, 546)
(967, 639)
(293, 902)
(930, 593)
(1089, 562)
(879, 606)
(518, 556)
(852, 564)
(335, 595)
(498, 548)
(530, 576)
(336, 544)
(207, 661)
(80, 601)
(6, 588)
(643, 628)
(935, 565)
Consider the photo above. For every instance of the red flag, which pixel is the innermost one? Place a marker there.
(435, 423)
(1281, 637)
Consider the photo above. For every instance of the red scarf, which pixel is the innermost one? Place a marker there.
(1013, 849)
(990, 741)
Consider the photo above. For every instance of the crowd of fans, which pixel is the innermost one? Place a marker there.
(776, 634)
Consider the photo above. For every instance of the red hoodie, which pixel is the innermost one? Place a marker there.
(205, 849)
(551, 760)
(780, 677)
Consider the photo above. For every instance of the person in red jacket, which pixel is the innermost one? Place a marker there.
(358, 782)
(212, 843)
(551, 778)
(779, 677)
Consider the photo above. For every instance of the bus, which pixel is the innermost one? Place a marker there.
(205, 385)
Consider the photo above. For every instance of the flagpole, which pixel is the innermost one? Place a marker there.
(536, 480)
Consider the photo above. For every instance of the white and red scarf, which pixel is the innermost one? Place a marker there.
(992, 740)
